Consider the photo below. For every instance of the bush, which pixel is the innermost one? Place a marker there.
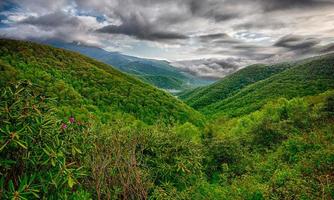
(35, 160)
(173, 162)
(115, 161)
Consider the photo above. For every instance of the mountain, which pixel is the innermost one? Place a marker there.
(156, 72)
(250, 88)
(85, 86)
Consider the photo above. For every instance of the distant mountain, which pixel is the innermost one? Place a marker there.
(249, 89)
(156, 72)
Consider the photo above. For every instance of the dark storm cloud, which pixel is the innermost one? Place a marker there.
(6, 5)
(214, 36)
(252, 52)
(245, 47)
(260, 25)
(216, 40)
(56, 19)
(139, 23)
(294, 42)
(211, 9)
(223, 44)
(139, 27)
(271, 5)
(256, 56)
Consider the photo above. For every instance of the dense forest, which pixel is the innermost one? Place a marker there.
(74, 128)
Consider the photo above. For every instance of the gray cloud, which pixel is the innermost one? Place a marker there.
(141, 28)
(271, 5)
(294, 42)
(260, 24)
(214, 36)
(216, 40)
(210, 68)
(212, 9)
(327, 48)
(55, 19)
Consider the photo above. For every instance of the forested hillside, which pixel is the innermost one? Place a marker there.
(249, 89)
(83, 86)
(204, 96)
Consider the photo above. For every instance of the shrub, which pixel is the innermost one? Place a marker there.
(115, 162)
(35, 160)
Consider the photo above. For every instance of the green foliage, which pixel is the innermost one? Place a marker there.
(114, 162)
(35, 160)
(136, 162)
(329, 106)
(283, 151)
(164, 81)
(189, 131)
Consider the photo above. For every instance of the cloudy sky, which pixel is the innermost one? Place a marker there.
(209, 37)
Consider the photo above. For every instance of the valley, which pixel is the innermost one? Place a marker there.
(159, 73)
(73, 127)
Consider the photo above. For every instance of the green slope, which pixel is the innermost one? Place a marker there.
(163, 81)
(239, 96)
(85, 86)
(204, 96)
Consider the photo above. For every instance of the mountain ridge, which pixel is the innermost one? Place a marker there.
(288, 81)
(149, 70)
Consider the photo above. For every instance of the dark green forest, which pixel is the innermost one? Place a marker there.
(74, 128)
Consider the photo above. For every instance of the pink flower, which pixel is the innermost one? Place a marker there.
(71, 119)
(63, 126)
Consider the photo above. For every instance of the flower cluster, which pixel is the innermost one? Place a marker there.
(71, 120)
(64, 126)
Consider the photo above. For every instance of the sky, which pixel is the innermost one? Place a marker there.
(205, 37)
